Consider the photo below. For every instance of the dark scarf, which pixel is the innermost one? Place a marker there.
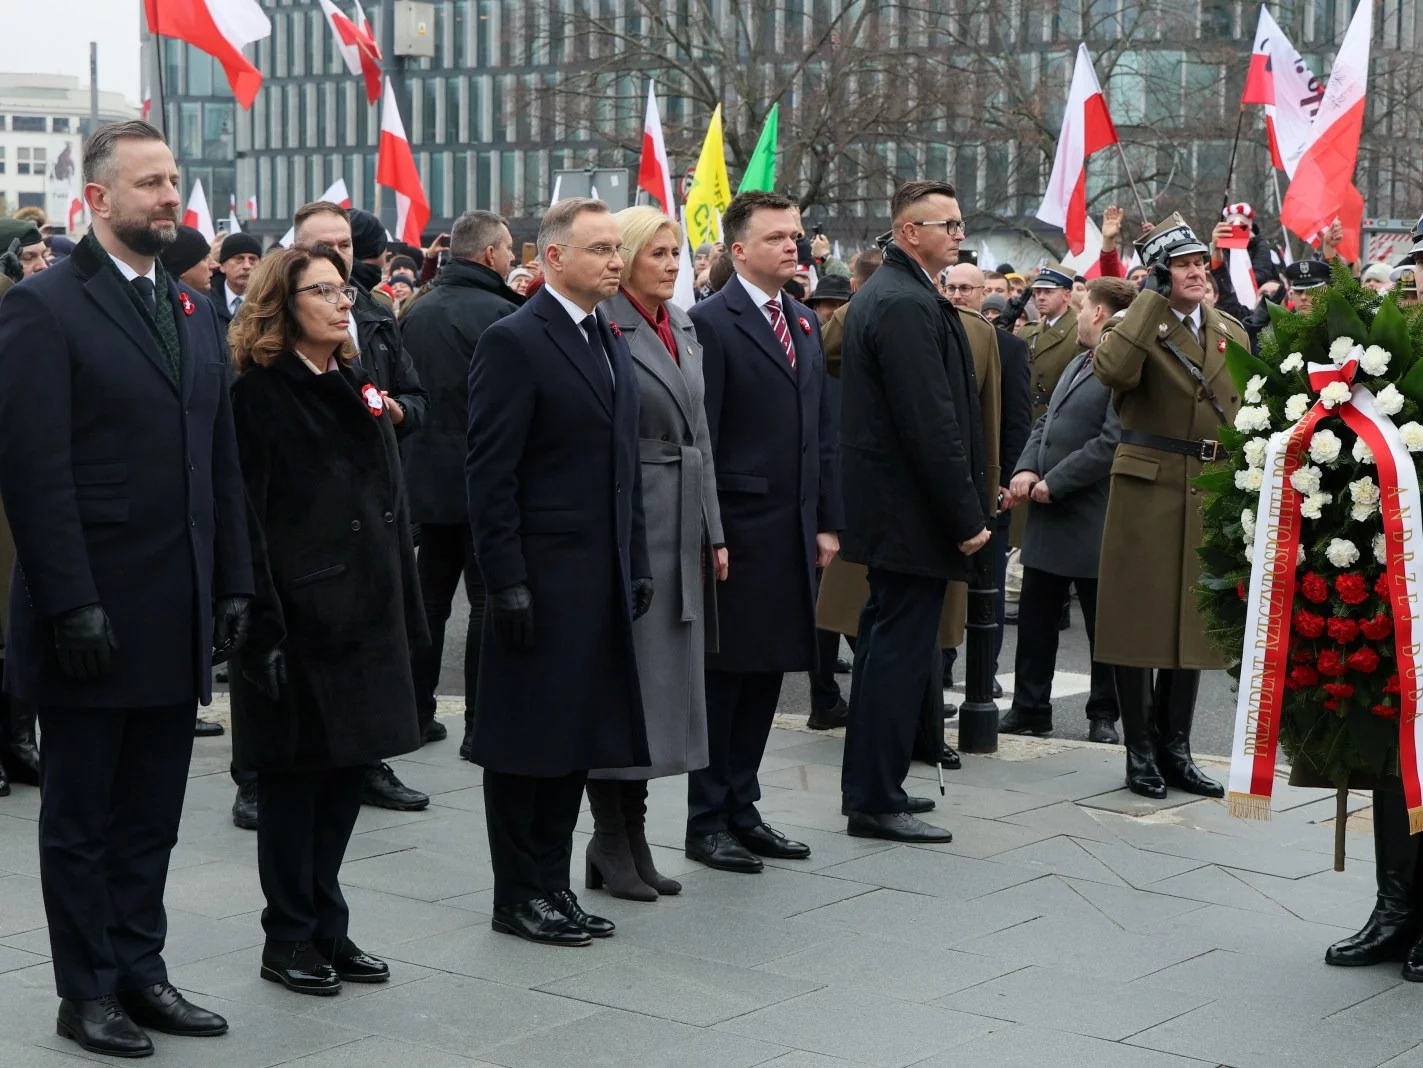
(365, 275)
(164, 327)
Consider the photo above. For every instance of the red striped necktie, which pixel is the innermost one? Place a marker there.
(781, 330)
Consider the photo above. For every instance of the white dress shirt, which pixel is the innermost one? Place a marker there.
(1192, 321)
(130, 274)
(577, 314)
(759, 299)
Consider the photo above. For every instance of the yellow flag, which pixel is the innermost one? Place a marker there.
(711, 188)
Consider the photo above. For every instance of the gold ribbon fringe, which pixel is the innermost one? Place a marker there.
(1257, 806)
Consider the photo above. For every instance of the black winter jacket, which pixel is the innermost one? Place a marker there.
(387, 362)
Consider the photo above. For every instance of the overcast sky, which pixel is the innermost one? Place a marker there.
(52, 37)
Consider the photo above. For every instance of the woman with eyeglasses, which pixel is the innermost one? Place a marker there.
(323, 686)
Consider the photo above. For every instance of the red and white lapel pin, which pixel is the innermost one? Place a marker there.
(186, 301)
(1221, 344)
(375, 403)
(804, 325)
(614, 328)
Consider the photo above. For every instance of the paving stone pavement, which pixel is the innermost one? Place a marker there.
(1068, 924)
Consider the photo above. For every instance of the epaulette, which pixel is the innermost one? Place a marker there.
(1226, 315)
(980, 314)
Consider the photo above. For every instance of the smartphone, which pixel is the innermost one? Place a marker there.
(817, 230)
(1239, 236)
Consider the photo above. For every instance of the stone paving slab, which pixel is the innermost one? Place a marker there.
(1068, 924)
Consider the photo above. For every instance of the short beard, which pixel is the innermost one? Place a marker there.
(143, 237)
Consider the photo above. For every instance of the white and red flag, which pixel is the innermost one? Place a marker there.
(1280, 80)
(395, 169)
(336, 193)
(76, 214)
(197, 214)
(654, 176)
(1322, 186)
(252, 207)
(1086, 128)
(357, 46)
(221, 28)
(147, 106)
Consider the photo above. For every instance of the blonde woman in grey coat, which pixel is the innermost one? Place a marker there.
(684, 543)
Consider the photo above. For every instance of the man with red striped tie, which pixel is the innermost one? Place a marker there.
(775, 456)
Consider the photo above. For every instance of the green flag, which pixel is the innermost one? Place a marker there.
(761, 171)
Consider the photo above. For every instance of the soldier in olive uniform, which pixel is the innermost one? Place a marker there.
(1052, 340)
(1165, 363)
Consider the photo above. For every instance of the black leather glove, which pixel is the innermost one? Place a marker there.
(641, 597)
(267, 672)
(511, 612)
(1158, 279)
(10, 262)
(85, 643)
(1010, 315)
(230, 617)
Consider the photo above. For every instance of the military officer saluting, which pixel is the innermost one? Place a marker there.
(1165, 363)
(1052, 340)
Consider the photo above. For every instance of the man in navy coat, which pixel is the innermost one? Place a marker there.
(770, 419)
(119, 473)
(555, 506)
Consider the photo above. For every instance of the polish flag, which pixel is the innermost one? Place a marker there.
(233, 226)
(357, 46)
(336, 193)
(197, 214)
(653, 174)
(1281, 81)
(1088, 262)
(252, 207)
(1086, 128)
(147, 105)
(1322, 187)
(75, 216)
(221, 28)
(395, 169)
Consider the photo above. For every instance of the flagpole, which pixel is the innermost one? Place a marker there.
(1280, 207)
(1230, 171)
(1126, 169)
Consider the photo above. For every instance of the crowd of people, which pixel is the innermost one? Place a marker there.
(283, 462)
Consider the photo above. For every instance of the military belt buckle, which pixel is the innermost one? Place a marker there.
(1211, 451)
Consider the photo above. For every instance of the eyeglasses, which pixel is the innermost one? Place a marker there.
(604, 251)
(965, 290)
(951, 226)
(332, 294)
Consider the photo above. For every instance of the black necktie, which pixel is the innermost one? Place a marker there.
(595, 346)
(146, 292)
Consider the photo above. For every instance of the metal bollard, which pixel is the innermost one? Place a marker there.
(978, 715)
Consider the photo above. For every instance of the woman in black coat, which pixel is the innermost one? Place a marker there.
(324, 684)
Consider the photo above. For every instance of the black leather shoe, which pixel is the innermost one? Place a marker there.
(829, 718)
(997, 690)
(948, 757)
(895, 827)
(723, 852)
(161, 1008)
(206, 728)
(102, 1026)
(221, 676)
(539, 921)
(1102, 730)
(915, 805)
(300, 967)
(1413, 965)
(1010, 616)
(384, 790)
(1192, 780)
(765, 841)
(244, 807)
(1016, 721)
(433, 731)
(567, 903)
(1387, 936)
(843, 666)
(351, 963)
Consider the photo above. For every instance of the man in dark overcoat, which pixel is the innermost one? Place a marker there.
(917, 496)
(770, 419)
(440, 332)
(555, 502)
(119, 471)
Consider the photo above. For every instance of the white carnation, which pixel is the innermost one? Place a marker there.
(1361, 513)
(1375, 360)
(1388, 400)
(1253, 388)
(1306, 479)
(1299, 556)
(1296, 406)
(1250, 419)
(1312, 507)
(1247, 522)
(1364, 491)
(1342, 552)
(1250, 479)
(1255, 452)
(1339, 351)
(1324, 447)
(1335, 393)
(1380, 549)
(1412, 435)
(1362, 453)
(1293, 362)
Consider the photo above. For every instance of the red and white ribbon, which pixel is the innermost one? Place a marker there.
(1270, 599)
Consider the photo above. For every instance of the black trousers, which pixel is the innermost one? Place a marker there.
(1039, 616)
(894, 657)
(824, 686)
(740, 709)
(530, 821)
(446, 554)
(306, 822)
(112, 782)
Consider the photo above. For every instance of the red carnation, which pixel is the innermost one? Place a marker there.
(1381, 586)
(1240, 590)
(1386, 711)
(1393, 685)
(1342, 630)
(1377, 629)
(1364, 660)
(1304, 675)
(1351, 587)
(1308, 624)
(1314, 587)
(1331, 663)
(1339, 690)
(1332, 705)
